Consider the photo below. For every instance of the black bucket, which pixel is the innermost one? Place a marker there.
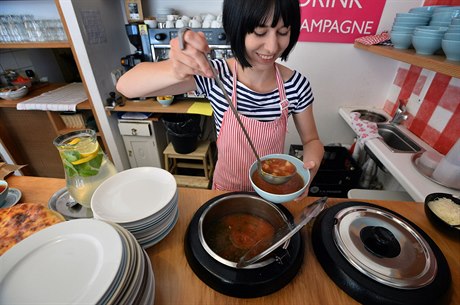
(183, 131)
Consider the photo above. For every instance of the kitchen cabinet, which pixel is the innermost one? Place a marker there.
(436, 63)
(28, 135)
(144, 140)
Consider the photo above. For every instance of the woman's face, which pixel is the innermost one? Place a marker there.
(266, 44)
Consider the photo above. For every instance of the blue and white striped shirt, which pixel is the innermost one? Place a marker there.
(259, 106)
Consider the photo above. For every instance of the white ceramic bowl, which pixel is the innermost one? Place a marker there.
(13, 92)
(304, 173)
(165, 100)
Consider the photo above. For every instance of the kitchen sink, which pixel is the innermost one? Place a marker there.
(396, 140)
(371, 116)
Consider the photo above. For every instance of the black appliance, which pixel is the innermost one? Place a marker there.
(138, 36)
(160, 38)
(337, 174)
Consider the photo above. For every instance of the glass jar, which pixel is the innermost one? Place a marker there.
(86, 166)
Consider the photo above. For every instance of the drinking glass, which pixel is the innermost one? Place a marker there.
(86, 166)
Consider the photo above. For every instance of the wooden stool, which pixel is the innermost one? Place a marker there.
(174, 160)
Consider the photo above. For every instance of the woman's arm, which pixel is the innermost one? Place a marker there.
(313, 149)
(172, 76)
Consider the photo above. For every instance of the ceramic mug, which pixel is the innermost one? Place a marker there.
(172, 17)
(206, 24)
(209, 17)
(3, 191)
(170, 24)
(185, 19)
(151, 23)
(194, 24)
(216, 24)
(180, 24)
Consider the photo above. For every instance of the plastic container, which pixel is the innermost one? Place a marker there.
(183, 131)
(428, 162)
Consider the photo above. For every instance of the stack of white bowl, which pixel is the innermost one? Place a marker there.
(81, 261)
(451, 40)
(143, 200)
(404, 25)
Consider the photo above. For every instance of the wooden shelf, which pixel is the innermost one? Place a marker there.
(36, 90)
(35, 45)
(437, 63)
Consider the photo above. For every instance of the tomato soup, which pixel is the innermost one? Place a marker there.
(233, 235)
(293, 185)
(278, 167)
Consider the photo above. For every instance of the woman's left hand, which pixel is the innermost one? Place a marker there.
(307, 165)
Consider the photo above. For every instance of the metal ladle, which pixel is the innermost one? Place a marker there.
(272, 179)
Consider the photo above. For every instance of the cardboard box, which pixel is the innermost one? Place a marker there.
(134, 10)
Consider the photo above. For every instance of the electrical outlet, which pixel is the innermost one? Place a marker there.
(116, 74)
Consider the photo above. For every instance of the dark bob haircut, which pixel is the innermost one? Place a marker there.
(241, 17)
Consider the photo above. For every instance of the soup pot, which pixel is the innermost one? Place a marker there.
(261, 278)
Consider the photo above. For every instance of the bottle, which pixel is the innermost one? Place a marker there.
(447, 172)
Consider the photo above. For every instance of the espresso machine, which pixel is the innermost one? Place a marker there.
(138, 36)
(160, 38)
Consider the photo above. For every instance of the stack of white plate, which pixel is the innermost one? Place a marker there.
(143, 200)
(82, 261)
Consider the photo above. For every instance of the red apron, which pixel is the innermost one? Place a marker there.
(234, 153)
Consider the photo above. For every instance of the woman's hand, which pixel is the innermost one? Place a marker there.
(191, 60)
(310, 165)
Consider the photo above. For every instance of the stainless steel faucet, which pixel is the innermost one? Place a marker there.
(400, 114)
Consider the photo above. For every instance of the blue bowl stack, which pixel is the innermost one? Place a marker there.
(450, 42)
(428, 29)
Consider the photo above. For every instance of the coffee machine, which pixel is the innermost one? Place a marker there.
(138, 36)
(160, 38)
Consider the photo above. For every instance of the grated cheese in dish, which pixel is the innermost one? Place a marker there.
(446, 209)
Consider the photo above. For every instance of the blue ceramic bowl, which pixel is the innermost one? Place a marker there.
(451, 48)
(281, 198)
(401, 40)
(452, 36)
(166, 100)
(402, 29)
(426, 45)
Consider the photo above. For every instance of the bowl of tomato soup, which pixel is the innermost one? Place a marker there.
(280, 193)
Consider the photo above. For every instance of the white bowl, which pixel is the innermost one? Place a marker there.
(275, 198)
(13, 92)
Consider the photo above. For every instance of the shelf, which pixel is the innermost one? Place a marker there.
(36, 45)
(36, 90)
(437, 63)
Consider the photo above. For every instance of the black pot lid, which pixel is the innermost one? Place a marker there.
(378, 257)
(384, 247)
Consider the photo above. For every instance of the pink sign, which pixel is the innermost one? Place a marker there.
(339, 20)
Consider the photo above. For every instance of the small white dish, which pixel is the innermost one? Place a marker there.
(13, 197)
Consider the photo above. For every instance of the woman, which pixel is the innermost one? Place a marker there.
(264, 92)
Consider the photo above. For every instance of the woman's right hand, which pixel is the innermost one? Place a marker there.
(191, 60)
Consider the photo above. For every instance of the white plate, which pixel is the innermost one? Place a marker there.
(12, 198)
(72, 262)
(133, 194)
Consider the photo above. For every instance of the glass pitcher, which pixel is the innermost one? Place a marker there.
(86, 166)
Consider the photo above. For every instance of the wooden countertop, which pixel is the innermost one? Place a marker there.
(177, 284)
